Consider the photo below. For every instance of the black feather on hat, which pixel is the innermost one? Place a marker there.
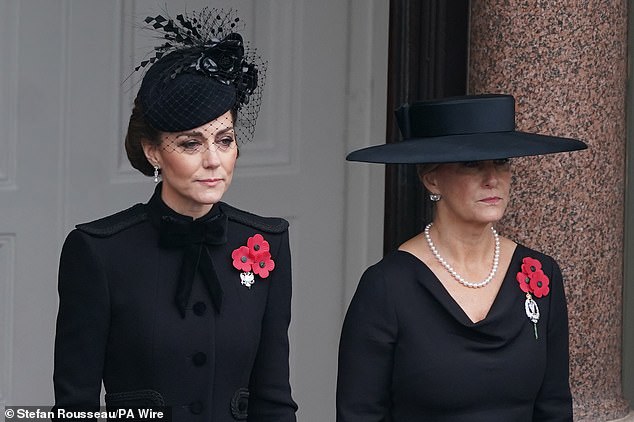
(201, 71)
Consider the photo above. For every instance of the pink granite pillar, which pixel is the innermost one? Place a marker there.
(565, 62)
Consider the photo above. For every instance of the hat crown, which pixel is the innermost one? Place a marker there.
(457, 116)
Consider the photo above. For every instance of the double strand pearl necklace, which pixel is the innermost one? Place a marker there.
(458, 277)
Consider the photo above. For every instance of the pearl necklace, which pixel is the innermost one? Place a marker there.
(458, 277)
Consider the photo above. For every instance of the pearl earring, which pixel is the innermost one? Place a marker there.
(434, 197)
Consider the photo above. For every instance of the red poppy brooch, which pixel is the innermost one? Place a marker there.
(254, 258)
(532, 280)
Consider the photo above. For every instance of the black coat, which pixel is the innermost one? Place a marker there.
(118, 322)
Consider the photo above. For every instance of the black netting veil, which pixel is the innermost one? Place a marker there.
(202, 70)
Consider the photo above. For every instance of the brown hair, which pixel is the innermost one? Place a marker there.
(423, 169)
(140, 131)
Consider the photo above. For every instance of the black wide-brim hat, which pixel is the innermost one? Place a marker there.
(470, 128)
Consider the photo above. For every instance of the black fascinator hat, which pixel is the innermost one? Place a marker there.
(201, 71)
(470, 128)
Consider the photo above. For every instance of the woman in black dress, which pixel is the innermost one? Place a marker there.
(458, 324)
(183, 301)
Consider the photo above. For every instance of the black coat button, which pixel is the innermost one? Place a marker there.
(199, 359)
(196, 407)
(200, 308)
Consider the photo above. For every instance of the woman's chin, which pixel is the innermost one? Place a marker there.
(210, 196)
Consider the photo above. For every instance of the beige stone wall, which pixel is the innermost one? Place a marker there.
(565, 62)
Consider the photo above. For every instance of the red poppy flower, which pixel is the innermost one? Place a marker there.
(539, 284)
(263, 264)
(524, 281)
(530, 265)
(255, 257)
(532, 279)
(257, 244)
(242, 259)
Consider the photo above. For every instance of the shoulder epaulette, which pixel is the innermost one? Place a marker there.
(113, 224)
(267, 224)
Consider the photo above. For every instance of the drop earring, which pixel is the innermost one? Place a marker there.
(434, 197)
(156, 173)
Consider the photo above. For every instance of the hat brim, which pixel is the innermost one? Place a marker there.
(469, 147)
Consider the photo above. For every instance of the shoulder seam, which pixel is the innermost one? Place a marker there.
(115, 223)
(267, 224)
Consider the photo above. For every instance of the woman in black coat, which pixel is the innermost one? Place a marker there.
(183, 301)
(458, 324)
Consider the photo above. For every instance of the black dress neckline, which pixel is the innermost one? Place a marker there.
(502, 299)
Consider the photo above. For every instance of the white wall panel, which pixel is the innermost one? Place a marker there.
(32, 50)
(8, 92)
(279, 40)
(7, 281)
(366, 126)
(129, 55)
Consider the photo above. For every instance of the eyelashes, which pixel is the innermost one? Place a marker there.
(193, 146)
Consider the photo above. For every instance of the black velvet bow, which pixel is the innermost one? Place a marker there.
(194, 237)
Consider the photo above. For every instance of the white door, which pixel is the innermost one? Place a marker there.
(64, 107)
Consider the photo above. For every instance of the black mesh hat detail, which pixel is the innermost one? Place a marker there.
(469, 128)
(185, 102)
(201, 71)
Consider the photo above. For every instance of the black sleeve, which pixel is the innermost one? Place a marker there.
(270, 392)
(554, 401)
(82, 325)
(366, 352)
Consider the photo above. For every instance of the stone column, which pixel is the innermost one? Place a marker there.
(565, 63)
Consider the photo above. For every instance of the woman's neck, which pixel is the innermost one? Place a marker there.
(463, 244)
